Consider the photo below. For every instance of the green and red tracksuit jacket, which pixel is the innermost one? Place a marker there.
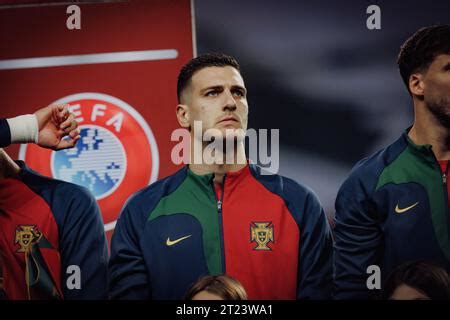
(267, 231)
(52, 240)
(393, 208)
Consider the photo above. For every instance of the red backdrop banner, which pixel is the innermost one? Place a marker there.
(118, 73)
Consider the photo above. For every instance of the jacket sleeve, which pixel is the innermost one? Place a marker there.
(83, 244)
(357, 239)
(128, 276)
(5, 133)
(316, 252)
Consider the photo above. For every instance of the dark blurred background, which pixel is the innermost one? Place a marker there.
(314, 71)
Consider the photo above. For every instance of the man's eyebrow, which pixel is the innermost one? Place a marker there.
(212, 88)
(239, 87)
(220, 88)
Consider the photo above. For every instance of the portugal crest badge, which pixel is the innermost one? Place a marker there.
(262, 234)
(26, 236)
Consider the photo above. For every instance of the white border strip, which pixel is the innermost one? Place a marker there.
(53, 4)
(110, 57)
(194, 30)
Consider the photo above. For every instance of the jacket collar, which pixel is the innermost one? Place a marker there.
(231, 179)
(422, 150)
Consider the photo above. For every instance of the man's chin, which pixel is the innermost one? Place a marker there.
(228, 133)
(441, 112)
(230, 129)
(444, 120)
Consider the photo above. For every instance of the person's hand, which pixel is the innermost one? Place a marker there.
(55, 122)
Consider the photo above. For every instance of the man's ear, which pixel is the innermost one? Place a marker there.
(416, 84)
(183, 115)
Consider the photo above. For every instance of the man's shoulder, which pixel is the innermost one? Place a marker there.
(366, 172)
(152, 193)
(69, 203)
(283, 186)
(300, 200)
(53, 189)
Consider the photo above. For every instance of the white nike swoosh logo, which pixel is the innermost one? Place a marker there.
(171, 243)
(398, 210)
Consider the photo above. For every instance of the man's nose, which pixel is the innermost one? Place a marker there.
(230, 103)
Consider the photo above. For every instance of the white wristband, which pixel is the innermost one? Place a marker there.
(24, 129)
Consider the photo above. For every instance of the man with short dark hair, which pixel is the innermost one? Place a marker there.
(394, 206)
(267, 231)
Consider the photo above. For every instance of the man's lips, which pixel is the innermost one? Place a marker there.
(230, 118)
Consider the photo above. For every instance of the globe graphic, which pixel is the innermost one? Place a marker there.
(97, 162)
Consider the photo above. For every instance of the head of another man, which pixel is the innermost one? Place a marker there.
(424, 63)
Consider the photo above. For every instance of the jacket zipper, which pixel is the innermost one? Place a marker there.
(219, 210)
(444, 178)
(445, 174)
(444, 182)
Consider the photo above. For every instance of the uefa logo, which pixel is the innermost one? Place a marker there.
(116, 156)
(98, 161)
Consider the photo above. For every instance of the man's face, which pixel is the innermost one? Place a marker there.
(217, 97)
(437, 88)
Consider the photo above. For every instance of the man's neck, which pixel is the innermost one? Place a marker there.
(219, 170)
(238, 162)
(8, 168)
(428, 130)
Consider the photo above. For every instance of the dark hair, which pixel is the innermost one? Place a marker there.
(419, 51)
(203, 61)
(224, 286)
(426, 277)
